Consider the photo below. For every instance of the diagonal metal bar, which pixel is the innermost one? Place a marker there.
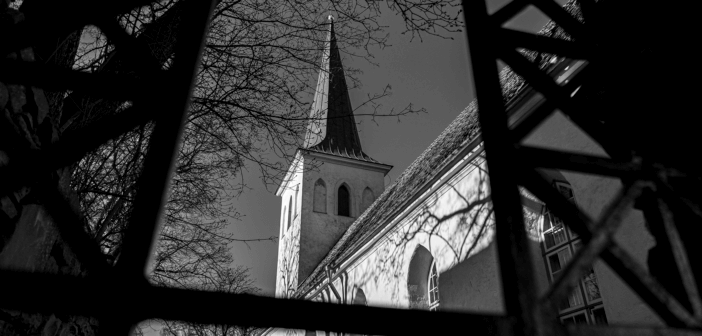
(648, 288)
(518, 284)
(507, 12)
(56, 78)
(602, 235)
(577, 162)
(153, 182)
(73, 146)
(69, 225)
(517, 39)
(589, 10)
(667, 192)
(545, 84)
(664, 304)
(138, 53)
(543, 111)
(69, 16)
(681, 259)
(572, 26)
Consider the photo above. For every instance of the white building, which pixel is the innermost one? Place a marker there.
(426, 241)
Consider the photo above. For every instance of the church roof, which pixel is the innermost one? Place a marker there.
(425, 168)
(333, 127)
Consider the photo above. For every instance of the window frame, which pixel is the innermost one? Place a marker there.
(433, 286)
(572, 243)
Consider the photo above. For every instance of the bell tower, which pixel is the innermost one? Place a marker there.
(330, 182)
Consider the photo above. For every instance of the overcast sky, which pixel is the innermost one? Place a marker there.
(434, 74)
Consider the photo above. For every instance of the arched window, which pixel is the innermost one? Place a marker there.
(320, 197)
(344, 201)
(289, 212)
(419, 285)
(360, 298)
(433, 290)
(282, 223)
(297, 189)
(367, 199)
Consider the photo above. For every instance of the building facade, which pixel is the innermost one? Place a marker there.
(427, 240)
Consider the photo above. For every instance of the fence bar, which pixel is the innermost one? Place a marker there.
(518, 285)
(650, 291)
(507, 12)
(545, 84)
(50, 77)
(602, 235)
(563, 48)
(681, 258)
(59, 293)
(577, 162)
(562, 18)
(153, 183)
(533, 119)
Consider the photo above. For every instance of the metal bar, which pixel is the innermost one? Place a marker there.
(545, 84)
(518, 284)
(562, 18)
(589, 11)
(517, 39)
(681, 259)
(650, 290)
(72, 147)
(660, 301)
(59, 293)
(667, 191)
(68, 16)
(153, 182)
(138, 53)
(577, 162)
(507, 12)
(533, 119)
(602, 235)
(69, 225)
(56, 78)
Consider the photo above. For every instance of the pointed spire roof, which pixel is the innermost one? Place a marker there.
(332, 128)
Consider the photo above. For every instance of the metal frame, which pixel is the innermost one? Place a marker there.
(526, 314)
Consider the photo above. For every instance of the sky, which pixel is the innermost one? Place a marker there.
(433, 74)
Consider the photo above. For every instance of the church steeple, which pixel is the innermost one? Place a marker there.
(332, 128)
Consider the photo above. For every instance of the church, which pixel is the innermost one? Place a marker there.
(427, 240)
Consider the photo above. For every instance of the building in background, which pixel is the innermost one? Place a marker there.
(427, 240)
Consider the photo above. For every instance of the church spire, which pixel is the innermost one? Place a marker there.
(332, 128)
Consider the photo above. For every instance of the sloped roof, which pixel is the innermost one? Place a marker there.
(343, 152)
(425, 168)
(332, 128)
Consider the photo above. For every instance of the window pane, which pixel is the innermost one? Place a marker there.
(580, 319)
(599, 316)
(555, 235)
(592, 289)
(433, 287)
(555, 265)
(575, 319)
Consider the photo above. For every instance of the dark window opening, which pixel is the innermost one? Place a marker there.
(344, 202)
